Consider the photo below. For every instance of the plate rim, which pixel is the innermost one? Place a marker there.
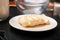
(33, 30)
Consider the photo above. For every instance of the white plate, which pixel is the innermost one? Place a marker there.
(14, 23)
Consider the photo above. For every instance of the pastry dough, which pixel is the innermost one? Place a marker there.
(32, 20)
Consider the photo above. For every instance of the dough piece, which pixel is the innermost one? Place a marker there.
(33, 20)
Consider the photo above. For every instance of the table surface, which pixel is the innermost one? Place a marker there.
(14, 34)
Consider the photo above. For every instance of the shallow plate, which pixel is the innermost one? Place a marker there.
(14, 23)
